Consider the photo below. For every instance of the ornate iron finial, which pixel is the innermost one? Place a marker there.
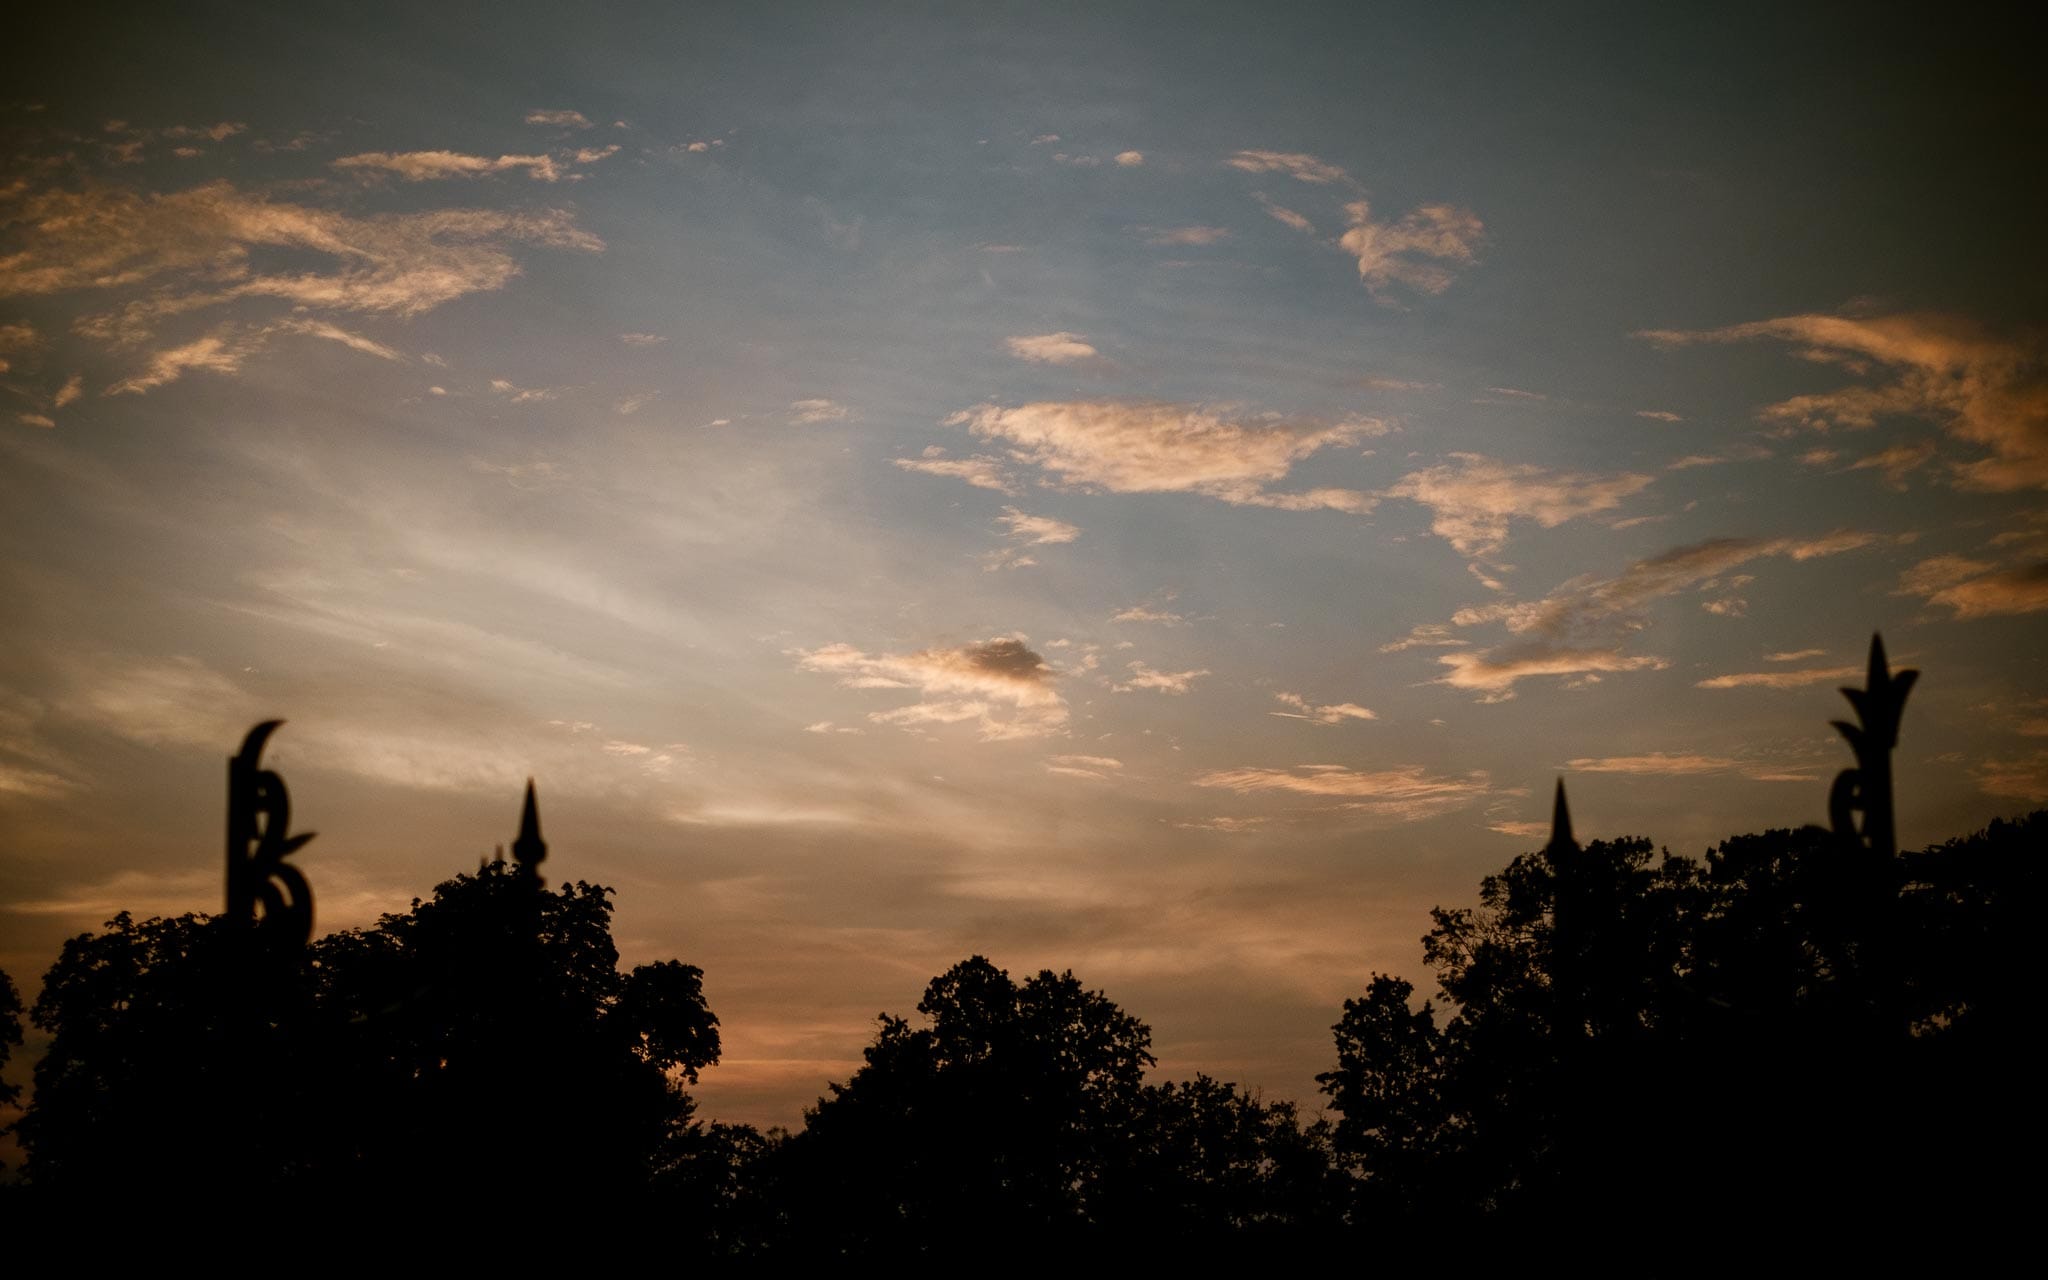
(259, 814)
(529, 848)
(1868, 786)
(1561, 841)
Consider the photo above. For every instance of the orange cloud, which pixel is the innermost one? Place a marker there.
(1151, 447)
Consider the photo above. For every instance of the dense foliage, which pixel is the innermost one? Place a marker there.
(486, 1034)
(1788, 1036)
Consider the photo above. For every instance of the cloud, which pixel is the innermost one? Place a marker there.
(1661, 765)
(225, 350)
(1173, 682)
(35, 420)
(1982, 390)
(1425, 635)
(1897, 462)
(643, 339)
(1303, 168)
(2024, 778)
(211, 132)
(428, 166)
(1130, 159)
(202, 247)
(558, 119)
(981, 471)
(1493, 672)
(1655, 764)
(1288, 216)
(1143, 613)
(1659, 415)
(1584, 626)
(521, 395)
(215, 353)
(1474, 500)
(1185, 236)
(1795, 655)
(1098, 768)
(628, 405)
(999, 685)
(1973, 589)
(1167, 448)
(807, 412)
(1408, 793)
(1027, 531)
(335, 333)
(1051, 348)
(1780, 679)
(1036, 531)
(1411, 252)
(1332, 713)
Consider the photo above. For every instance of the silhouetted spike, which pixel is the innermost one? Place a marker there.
(1561, 823)
(529, 848)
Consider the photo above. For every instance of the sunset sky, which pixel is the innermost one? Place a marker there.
(1156, 490)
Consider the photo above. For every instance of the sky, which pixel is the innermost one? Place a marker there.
(1160, 491)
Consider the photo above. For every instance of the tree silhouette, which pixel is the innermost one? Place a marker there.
(486, 1033)
(993, 1118)
(1780, 1039)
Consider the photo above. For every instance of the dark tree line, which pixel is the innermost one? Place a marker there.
(1791, 1037)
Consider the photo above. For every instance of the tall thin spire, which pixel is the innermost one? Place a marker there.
(1561, 840)
(529, 848)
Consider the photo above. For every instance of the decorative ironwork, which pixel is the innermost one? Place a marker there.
(259, 815)
(1867, 788)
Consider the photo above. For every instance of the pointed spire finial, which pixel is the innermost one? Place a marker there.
(529, 848)
(1561, 840)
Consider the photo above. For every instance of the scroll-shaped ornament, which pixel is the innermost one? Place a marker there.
(259, 816)
(1867, 788)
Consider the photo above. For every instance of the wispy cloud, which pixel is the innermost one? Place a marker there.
(1095, 768)
(981, 471)
(1974, 589)
(1659, 415)
(1144, 677)
(1036, 531)
(521, 395)
(1281, 213)
(1027, 531)
(1051, 348)
(1780, 679)
(427, 166)
(1475, 497)
(999, 685)
(1417, 251)
(1408, 793)
(1659, 764)
(558, 119)
(1185, 236)
(1168, 448)
(1328, 713)
(806, 412)
(1130, 159)
(1146, 613)
(1980, 389)
(192, 250)
(1584, 627)
(1294, 164)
